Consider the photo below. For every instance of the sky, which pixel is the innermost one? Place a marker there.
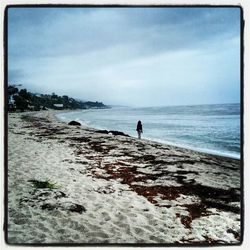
(127, 56)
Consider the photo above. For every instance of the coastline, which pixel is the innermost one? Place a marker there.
(115, 189)
(210, 151)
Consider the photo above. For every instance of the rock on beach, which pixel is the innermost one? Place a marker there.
(74, 123)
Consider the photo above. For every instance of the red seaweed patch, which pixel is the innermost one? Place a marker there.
(210, 197)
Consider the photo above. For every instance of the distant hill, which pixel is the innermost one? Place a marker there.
(22, 100)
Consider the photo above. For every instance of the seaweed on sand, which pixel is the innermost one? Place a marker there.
(43, 184)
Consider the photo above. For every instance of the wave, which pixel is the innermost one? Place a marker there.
(213, 129)
(198, 149)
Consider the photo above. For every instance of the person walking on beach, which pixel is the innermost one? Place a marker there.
(139, 129)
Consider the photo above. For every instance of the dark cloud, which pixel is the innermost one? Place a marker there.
(50, 32)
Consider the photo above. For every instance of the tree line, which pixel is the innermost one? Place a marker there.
(22, 100)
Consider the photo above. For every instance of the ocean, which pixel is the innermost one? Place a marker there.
(213, 129)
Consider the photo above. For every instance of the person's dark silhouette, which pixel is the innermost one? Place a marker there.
(139, 129)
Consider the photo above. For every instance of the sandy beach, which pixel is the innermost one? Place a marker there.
(108, 189)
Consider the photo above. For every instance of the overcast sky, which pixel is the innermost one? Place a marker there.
(127, 56)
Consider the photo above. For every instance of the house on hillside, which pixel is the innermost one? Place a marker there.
(58, 105)
(11, 104)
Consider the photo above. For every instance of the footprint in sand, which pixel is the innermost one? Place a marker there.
(92, 227)
(121, 217)
(155, 239)
(20, 221)
(149, 228)
(106, 216)
(124, 226)
(75, 225)
(138, 231)
(98, 235)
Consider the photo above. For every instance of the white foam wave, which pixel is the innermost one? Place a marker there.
(202, 150)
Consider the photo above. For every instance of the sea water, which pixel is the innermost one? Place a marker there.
(212, 129)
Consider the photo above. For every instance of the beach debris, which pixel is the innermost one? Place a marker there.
(50, 199)
(65, 206)
(43, 184)
(105, 190)
(77, 208)
(60, 194)
(102, 131)
(74, 123)
(101, 148)
(186, 221)
(209, 240)
(147, 157)
(210, 197)
(236, 234)
(79, 139)
(197, 210)
(48, 206)
(35, 120)
(113, 132)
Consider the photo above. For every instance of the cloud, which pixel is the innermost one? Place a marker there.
(50, 32)
(140, 56)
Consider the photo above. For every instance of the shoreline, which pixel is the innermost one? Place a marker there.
(211, 152)
(201, 150)
(107, 189)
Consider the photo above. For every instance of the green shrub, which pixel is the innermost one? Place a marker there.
(43, 184)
